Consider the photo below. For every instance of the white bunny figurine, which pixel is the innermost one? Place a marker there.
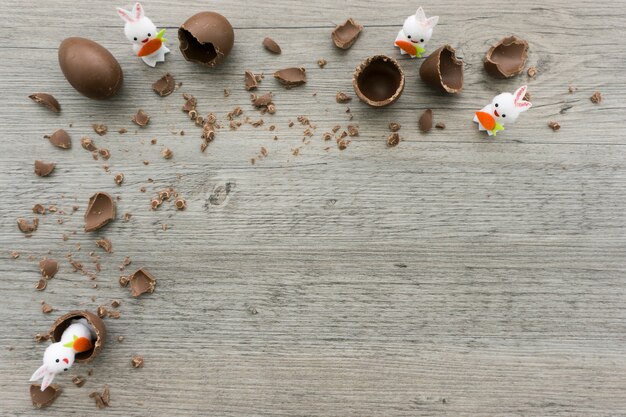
(505, 107)
(59, 356)
(416, 31)
(147, 42)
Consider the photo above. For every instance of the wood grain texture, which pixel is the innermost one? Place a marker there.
(452, 275)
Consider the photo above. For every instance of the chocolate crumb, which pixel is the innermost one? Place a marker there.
(180, 203)
(88, 144)
(15, 254)
(426, 121)
(122, 130)
(26, 227)
(104, 153)
(532, 72)
(41, 337)
(167, 153)
(155, 203)
(123, 281)
(250, 81)
(342, 97)
(596, 98)
(48, 268)
(43, 169)
(60, 139)
(394, 126)
(322, 62)
(554, 125)
(141, 282)
(100, 129)
(120, 339)
(141, 118)
(393, 140)
(115, 303)
(79, 380)
(190, 103)
(137, 362)
(46, 309)
(226, 92)
(342, 144)
(105, 244)
(127, 216)
(353, 130)
(327, 136)
(271, 45)
(101, 399)
(440, 125)
(165, 85)
(119, 178)
(39, 209)
(46, 100)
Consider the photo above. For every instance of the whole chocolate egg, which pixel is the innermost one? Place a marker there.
(90, 68)
(206, 38)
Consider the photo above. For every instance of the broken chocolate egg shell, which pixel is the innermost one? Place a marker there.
(378, 81)
(45, 398)
(141, 282)
(100, 211)
(206, 38)
(443, 71)
(346, 34)
(63, 322)
(507, 58)
(46, 100)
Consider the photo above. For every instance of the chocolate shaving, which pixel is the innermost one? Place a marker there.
(322, 62)
(440, 125)
(88, 144)
(426, 121)
(46, 100)
(45, 398)
(165, 85)
(394, 126)
(100, 211)
(46, 308)
(262, 100)
(291, 77)
(141, 118)
(79, 380)
(346, 34)
(43, 169)
(393, 140)
(100, 129)
(101, 399)
(137, 362)
(443, 71)
(48, 268)
(554, 125)
(507, 57)
(180, 203)
(342, 97)
(167, 153)
(41, 285)
(532, 72)
(119, 178)
(105, 244)
(60, 139)
(271, 45)
(26, 227)
(190, 103)
(141, 282)
(250, 81)
(596, 98)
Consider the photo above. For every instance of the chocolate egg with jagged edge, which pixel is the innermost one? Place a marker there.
(96, 324)
(206, 38)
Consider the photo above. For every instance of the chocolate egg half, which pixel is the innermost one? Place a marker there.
(90, 68)
(96, 323)
(378, 81)
(206, 38)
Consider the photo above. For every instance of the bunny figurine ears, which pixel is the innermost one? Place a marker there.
(505, 107)
(415, 33)
(148, 44)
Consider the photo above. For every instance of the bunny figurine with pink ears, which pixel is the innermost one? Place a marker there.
(147, 42)
(59, 356)
(504, 108)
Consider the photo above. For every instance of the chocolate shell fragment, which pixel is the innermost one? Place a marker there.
(141, 282)
(507, 58)
(43, 169)
(291, 77)
(165, 85)
(100, 211)
(443, 71)
(206, 38)
(271, 45)
(250, 81)
(63, 322)
(378, 81)
(46, 100)
(48, 268)
(141, 118)
(45, 398)
(426, 121)
(60, 139)
(346, 34)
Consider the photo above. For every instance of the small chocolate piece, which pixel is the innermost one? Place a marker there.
(206, 38)
(554, 125)
(48, 268)
(90, 68)
(271, 45)
(60, 139)
(393, 140)
(100, 211)
(137, 362)
(250, 81)
(167, 153)
(394, 126)
(100, 128)
(46, 308)
(88, 144)
(443, 71)
(79, 380)
(41, 284)
(262, 100)
(507, 57)
(119, 178)
(346, 34)
(141, 282)
(105, 244)
(190, 103)
(45, 398)
(46, 100)
(426, 121)
(26, 227)
(532, 72)
(104, 153)
(322, 62)
(63, 322)
(596, 98)
(440, 125)
(101, 399)
(43, 169)
(115, 303)
(165, 85)
(41, 337)
(180, 203)
(353, 130)
(378, 81)
(342, 97)
(141, 118)
(291, 77)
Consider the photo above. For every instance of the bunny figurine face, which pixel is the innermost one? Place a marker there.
(504, 108)
(148, 42)
(415, 33)
(56, 359)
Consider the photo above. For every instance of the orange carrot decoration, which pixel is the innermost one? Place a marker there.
(150, 47)
(79, 344)
(486, 120)
(407, 47)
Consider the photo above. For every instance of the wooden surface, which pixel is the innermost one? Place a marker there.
(452, 275)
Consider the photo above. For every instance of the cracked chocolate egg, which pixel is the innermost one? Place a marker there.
(96, 323)
(507, 58)
(206, 38)
(443, 71)
(378, 81)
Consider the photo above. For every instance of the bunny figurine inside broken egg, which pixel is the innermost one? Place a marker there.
(148, 43)
(415, 33)
(504, 108)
